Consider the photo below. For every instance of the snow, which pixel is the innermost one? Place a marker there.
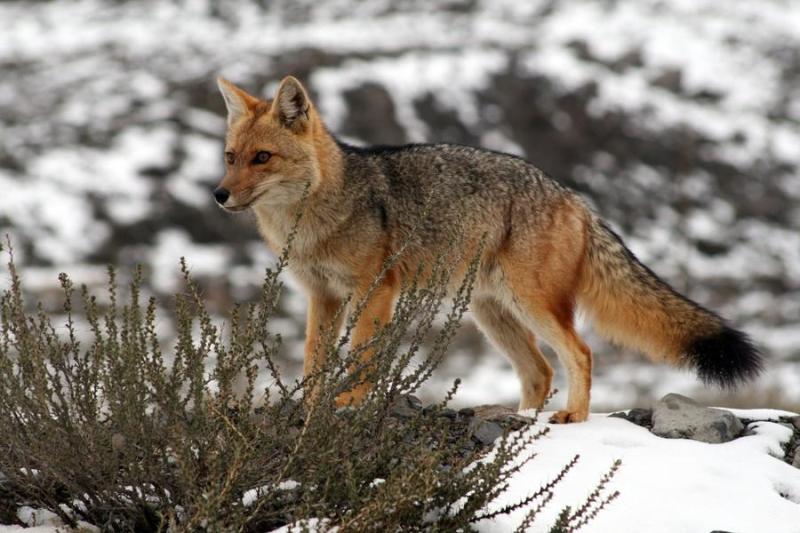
(665, 485)
(41, 521)
(312, 525)
(452, 77)
(251, 496)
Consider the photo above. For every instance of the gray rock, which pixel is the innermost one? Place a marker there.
(406, 406)
(639, 416)
(448, 413)
(485, 431)
(493, 412)
(670, 79)
(679, 417)
(505, 416)
(795, 421)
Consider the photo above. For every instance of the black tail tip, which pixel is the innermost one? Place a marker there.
(726, 358)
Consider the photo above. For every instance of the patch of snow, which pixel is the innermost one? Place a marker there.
(43, 521)
(665, 485)
(252, 495)
(312, 525)
(450, 77)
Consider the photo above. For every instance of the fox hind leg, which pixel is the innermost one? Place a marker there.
(519, 344)
(558, 331)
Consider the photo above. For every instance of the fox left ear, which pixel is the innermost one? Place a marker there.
(292, 104)
(237, 101)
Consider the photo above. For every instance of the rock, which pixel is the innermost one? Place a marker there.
(679, 417)
(492, 412)
(641, 417)
(448, 413)
(670, 79)
(795, 421)
(630, 59)
(466, 411)
(485, 431)
(406, 406)
(504, 416)
(638, 416)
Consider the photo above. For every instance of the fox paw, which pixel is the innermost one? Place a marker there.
(566, 417)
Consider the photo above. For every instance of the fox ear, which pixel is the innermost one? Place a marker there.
(237, 101)
(291, 104)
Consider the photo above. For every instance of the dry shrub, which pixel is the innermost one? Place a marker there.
(129, 436)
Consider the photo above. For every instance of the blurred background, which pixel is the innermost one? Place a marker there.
(678, 119)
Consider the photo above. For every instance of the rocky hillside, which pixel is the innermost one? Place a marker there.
(679, 120)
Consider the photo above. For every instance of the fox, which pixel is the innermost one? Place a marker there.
(543, 252)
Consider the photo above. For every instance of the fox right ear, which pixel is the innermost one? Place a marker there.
(237, 101)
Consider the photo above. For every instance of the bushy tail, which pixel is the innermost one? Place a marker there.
(631, 306)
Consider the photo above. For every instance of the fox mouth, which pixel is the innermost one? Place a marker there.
(243, 207)
(237, 208)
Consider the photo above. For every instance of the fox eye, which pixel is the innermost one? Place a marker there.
(261, 158)
(230, 157)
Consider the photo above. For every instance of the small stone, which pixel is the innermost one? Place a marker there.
(414, 402)
(630, 59)
(493, 412)
(637, 415)
(795, 421)
(485, 431)
(405, 407)
(670, 79)
(466, 411)
(505, 416)
(677, 417)
(448, 413)
(641, 417)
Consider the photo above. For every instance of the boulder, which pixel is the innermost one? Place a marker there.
(679, 417)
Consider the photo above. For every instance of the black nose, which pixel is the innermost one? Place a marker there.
(221, 195)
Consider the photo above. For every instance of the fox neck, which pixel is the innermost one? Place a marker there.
(325, 209)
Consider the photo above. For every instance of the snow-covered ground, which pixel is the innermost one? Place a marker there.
(665, 485)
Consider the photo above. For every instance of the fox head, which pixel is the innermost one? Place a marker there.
(271, 148)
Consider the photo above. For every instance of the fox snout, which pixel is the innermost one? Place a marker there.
(221, 195)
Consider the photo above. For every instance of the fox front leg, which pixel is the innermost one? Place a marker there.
(323, 316)
(378, 310)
